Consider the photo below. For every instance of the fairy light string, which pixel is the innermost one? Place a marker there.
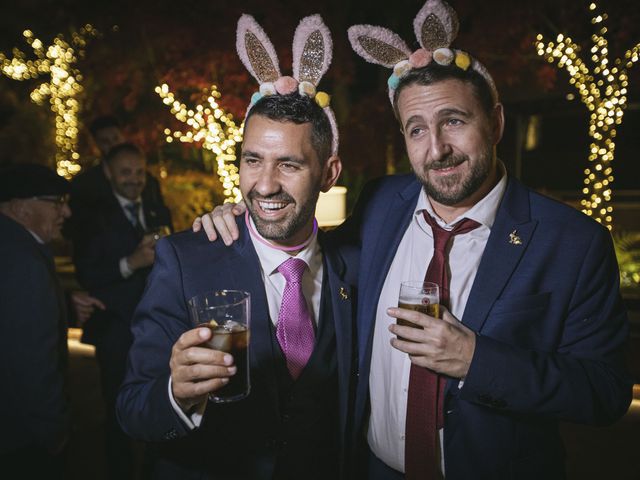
(57, 63)
(214, 128)
(603, 89)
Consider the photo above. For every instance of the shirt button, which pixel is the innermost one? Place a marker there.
(402, 437)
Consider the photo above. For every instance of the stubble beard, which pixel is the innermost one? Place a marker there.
(453, 189)
(287, 228)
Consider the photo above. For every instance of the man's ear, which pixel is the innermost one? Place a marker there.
(332, 170)
(107, 171)
(498, 123)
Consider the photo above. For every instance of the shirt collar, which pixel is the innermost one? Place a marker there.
(483, 212)
(272, 258)
(125, 201)
(35, 235)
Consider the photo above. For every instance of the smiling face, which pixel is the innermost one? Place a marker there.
(127, 174)
(281, 177)
(450, 141)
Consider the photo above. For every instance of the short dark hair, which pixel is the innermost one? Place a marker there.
(435, 73)
(104, 121)
(298, 109)
(123, 148)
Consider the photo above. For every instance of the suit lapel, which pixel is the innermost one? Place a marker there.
(390, 229)
(340, 298)
(245, 274)
(509, 239)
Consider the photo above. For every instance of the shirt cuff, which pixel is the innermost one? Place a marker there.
(196, 417)
(125, 269)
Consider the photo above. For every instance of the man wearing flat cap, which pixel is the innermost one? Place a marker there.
(33, 404)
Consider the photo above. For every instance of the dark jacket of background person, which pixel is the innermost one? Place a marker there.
(108, 237)
(33, 352)
(281, 430)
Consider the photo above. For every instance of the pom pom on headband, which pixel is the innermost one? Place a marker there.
(312, 53)
(435, 27)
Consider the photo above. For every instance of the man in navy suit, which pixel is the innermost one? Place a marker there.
(33, 323)
(535, 327)
(292, 425)
(113, 258)
(90, 189)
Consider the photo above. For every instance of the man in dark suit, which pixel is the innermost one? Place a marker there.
(534, 328)
(33, 320)
(91, 188)
(113, 259)
(293, 424)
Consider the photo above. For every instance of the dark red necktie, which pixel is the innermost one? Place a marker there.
(426, 388)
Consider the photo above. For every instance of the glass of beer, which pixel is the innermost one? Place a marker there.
(226, 313)
(423, 297)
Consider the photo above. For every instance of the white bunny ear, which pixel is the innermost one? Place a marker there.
(378, 45)
(436, 25)
(312, 50)
(256, 50)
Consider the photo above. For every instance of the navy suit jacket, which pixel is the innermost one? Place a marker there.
(550, 329)
(107, 237)
(187, 264)
(33, 344)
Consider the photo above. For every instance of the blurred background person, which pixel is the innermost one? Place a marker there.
(113, 258)
(33, 323)
(91, 188)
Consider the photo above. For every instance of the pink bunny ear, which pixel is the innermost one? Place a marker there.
(312, 50)
(256, 50)
(436, 25)
(378, 45)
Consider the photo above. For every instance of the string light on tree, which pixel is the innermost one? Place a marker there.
(215, 129)
(63, 88)
(603, 89)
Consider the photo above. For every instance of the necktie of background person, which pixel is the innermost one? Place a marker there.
(426, 388)
(294, 330)
(133, 212)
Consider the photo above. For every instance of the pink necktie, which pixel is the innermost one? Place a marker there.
(295, 327)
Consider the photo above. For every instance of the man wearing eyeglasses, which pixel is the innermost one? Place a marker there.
(34, 412)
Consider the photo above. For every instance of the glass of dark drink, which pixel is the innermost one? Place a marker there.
(226, 313)
(423, 297)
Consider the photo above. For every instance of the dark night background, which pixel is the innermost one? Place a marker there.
(190, 44)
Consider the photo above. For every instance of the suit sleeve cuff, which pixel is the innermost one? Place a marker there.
(195, 419)
(125, 269)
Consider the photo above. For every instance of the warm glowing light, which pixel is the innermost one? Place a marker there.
(62, 90)
(214, 129)
(602, 90)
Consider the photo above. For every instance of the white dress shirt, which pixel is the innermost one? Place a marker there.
(389, 375)
(274, 283)
(125, 269)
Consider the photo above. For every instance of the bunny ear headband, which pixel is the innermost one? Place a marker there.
(312, 50)
(435, 26)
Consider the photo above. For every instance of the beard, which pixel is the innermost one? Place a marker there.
(455, 188)
(288, 227)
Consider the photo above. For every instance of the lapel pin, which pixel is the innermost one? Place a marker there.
(514, 238)
(343, 293)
